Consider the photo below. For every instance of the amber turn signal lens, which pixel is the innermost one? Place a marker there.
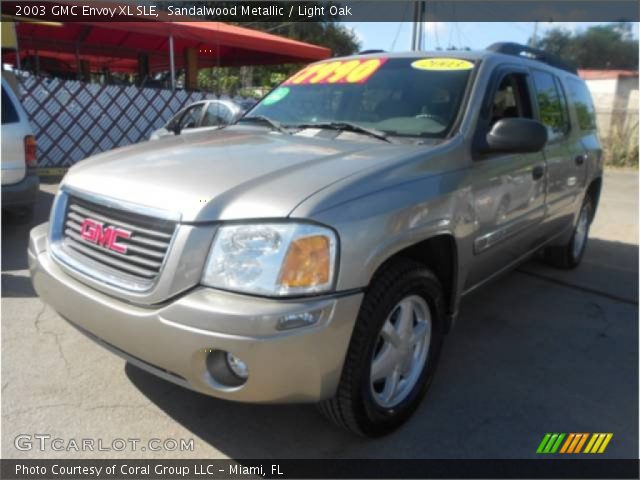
(308, 263)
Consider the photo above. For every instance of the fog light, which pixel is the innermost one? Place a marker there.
(296, 320)
(237, 366)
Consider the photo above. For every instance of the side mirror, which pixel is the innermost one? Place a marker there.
(517, 135)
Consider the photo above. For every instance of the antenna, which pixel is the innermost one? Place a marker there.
(534, 38)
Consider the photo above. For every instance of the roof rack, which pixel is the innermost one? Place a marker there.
(511, 48)
(365, 52)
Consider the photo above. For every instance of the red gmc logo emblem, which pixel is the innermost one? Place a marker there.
(107, 237)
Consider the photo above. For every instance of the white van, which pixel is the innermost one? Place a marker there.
(20, 183)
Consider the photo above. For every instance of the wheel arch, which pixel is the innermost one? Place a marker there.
(593, 191)
(439, 253)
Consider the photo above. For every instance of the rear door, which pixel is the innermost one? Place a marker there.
(584, 120)
(564, 152)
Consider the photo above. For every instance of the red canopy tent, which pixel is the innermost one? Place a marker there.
(166, 43)
(119, 44)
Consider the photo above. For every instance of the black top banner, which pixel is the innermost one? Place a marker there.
(312, 469)
(307, 11)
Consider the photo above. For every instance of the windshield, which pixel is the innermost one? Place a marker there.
(397, 96)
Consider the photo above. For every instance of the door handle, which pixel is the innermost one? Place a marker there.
(537, 172)
(580, 159)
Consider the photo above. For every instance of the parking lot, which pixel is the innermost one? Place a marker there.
(537, 351)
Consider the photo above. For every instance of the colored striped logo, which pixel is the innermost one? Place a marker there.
(574, 443)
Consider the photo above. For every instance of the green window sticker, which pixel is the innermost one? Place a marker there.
(275, 96)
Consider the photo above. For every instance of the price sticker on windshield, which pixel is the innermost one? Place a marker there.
(338, 71)
(442, 64)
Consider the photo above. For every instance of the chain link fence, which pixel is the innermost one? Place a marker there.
(73, 120)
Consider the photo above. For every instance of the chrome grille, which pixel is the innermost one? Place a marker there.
(146, 247)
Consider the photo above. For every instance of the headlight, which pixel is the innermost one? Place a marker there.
(275, 259)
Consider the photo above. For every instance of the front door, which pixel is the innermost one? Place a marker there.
(508, 191)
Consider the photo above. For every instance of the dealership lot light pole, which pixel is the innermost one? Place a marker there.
(418, 25)
(172, 63)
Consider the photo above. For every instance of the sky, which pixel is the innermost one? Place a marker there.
(396, 36)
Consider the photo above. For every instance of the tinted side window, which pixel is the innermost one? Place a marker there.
(552, 105)
(511, 100)
(564, 101)
(584, 105)
(9, 113)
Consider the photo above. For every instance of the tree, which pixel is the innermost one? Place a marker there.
(339, 39)
(600, 47)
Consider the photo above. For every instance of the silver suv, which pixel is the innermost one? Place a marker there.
(318, 250)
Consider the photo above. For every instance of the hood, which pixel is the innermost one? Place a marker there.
(240, 172)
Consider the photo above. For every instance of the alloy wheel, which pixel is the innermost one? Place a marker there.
(401, 350)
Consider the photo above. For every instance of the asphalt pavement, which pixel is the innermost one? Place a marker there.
(539, 350)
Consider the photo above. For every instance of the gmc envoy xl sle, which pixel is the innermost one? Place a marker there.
(318, 250)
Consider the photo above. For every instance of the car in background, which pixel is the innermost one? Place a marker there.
(247, 103)
(20, 184)
(201, 116)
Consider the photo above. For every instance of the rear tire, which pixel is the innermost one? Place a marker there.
(407, 293)
(569, 256)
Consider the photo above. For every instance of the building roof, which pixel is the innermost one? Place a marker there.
(589, 74)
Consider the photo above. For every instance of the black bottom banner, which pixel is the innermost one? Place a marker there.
(284, 469)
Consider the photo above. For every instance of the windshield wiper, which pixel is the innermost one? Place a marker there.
(265, 120)
(345, 126)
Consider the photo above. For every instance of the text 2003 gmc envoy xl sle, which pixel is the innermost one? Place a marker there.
(317, 251)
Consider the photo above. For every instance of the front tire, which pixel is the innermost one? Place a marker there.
(393, 353)
(570, 255)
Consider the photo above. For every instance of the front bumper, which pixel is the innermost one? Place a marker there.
(21, 194)
(173, 340)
